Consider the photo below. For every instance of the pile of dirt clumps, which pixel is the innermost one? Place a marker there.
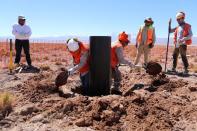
(148, 103)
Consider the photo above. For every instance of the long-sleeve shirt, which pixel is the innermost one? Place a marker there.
(21, 32)
(121, 59)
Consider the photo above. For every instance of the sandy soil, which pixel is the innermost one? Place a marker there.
(166, 102)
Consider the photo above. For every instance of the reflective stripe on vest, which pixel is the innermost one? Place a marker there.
(186, 29)
(150, 34)
(114, 58)
(77, 55)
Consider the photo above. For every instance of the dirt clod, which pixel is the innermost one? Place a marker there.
(153, 68)
(61, 79)
(83, 122)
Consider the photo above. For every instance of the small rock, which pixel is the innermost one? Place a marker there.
(96, 116)
(165, 94)
(68, 106)
(27, 109)
(142, 93)
(142, 113)
(64, 92)
(115, 105)
(138, 100)
(175, 111)
(111, 117)
(84, 122)
(102, 105)
(37, 118)
(193, 88)
(45, 121)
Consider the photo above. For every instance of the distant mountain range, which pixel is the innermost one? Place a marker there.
(63, 39)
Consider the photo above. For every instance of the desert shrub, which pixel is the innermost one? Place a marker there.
(6, 103)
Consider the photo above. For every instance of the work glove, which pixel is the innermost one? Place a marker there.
(151, 45)
(70, 71)
(136, 45)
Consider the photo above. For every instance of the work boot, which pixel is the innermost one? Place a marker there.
(29, 67)
(16, 65)
(172, 70)
(186, 71)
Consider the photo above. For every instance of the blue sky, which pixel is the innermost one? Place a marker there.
(93, 17)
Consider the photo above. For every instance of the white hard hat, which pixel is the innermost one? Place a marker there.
(72, 45)
(180, 15)
(21, 17)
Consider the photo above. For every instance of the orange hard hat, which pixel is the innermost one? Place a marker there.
(123, 37)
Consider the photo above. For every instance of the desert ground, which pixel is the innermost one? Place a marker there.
(31, 101)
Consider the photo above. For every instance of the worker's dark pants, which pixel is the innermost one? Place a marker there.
(182, 50)
(85, 82)
(19, 44)
(116, 75)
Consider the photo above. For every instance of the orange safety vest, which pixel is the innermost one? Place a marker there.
(150, 34)
(186, 29)
(77, 55)
(114, 58)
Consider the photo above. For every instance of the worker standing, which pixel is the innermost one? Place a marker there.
(80, 54)
(22, 32)
(182, 38)
(117, 58)
(145, 41)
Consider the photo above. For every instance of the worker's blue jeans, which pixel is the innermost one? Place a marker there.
(85, 82)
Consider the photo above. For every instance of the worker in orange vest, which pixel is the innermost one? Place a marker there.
(182, 38)
(80, 54)
(117, 58)
(145, 40)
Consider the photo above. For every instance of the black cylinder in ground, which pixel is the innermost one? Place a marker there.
(100, 54)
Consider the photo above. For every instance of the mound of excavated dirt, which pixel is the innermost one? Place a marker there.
(148, 103)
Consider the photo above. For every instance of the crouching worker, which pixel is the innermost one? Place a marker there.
(80, 54)
(117, 58)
